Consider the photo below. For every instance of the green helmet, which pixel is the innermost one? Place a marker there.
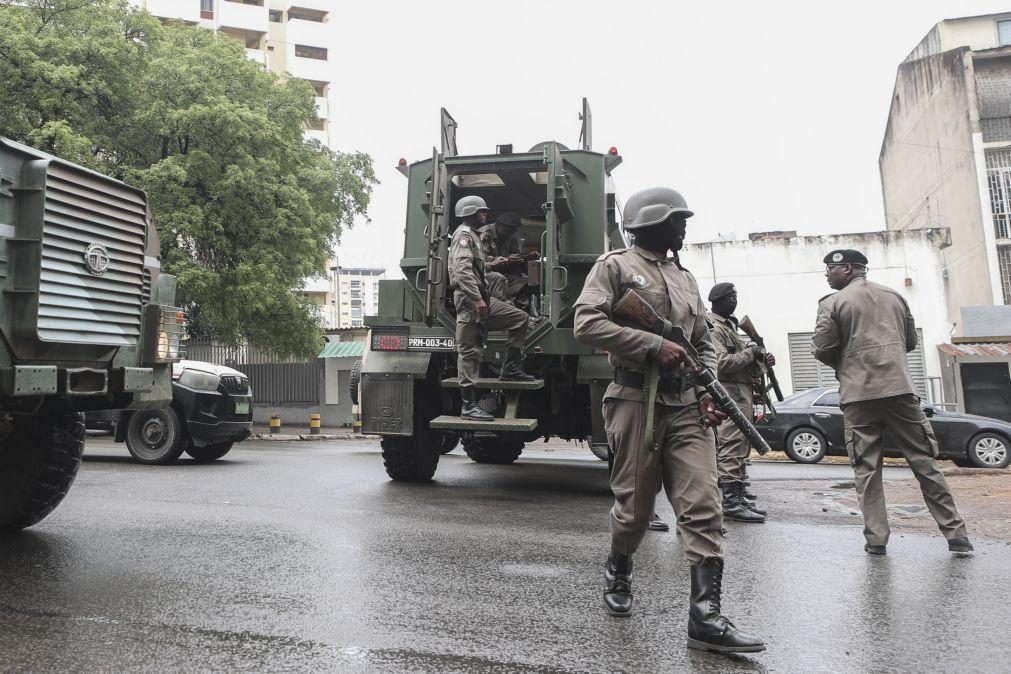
(652, 206)
(469, 206)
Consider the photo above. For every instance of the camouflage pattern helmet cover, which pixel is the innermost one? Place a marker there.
(652, 206)
(469, 206)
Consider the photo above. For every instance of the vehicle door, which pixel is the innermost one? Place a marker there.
(826, 416)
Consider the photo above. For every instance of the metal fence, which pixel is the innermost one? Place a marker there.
(274, 381)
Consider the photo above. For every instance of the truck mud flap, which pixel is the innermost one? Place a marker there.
(387, 403)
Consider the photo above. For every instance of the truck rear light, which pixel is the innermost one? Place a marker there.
(390, 342)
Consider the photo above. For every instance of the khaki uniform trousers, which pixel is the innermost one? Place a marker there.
(501, 316)
(865, 423)
(685, 460)
(733, 447)
(504, 287)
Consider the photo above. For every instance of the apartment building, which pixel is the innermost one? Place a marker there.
(357, 295)
(946, 154)
(286, 36)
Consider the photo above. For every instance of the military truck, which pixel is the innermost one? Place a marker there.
(409, 389)
(86, 320)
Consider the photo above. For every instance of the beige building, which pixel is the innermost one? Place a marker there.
(946, 155)
(286, 36)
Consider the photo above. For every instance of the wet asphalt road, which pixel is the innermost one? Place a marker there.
(304, 557)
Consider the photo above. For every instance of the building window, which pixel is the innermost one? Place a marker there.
(1004, 262)
(206, 9)
(318, 53)
(998, 176)
(1004, 32)
(276, 16)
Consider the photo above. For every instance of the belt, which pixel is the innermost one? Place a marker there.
(670, 385)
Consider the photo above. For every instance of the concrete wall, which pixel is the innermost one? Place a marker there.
(974, 32)
(931, 169)
(779, 282)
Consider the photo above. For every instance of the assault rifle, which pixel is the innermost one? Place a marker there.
(632, 307)
(749, 329)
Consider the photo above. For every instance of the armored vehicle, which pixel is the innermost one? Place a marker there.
(410, 394)
(86, 320)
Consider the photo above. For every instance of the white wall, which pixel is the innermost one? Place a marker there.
(779, 282)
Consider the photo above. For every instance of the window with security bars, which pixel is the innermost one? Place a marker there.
(1004, 262)
(807, 372)
(998, 175)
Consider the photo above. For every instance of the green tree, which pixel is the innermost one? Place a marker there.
(246, 207)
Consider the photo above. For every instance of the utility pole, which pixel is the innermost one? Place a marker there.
(335, 303)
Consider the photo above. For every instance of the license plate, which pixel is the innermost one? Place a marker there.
(242, 408)
(431, 343)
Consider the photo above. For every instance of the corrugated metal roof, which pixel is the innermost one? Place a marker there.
(977, 349)
(343, 350)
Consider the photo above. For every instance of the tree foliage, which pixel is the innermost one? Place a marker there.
(246, 207)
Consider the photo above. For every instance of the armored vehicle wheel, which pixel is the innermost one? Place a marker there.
(209, 453)
(156, 437)
(600, 451)
(492, 450)
(39, 458)
(412, 459)
(354, 380)
(449, 442)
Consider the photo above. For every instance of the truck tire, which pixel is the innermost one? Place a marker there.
(411, 459)
(354, 380)
(39, 459)
(449, 442)
(156, 437)
(209, 453)
(492, 450)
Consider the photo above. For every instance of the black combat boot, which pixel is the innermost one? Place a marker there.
(470, 409)
(733, 506)
(511, 368)
(749, 501)
(748, 494)
(708, 629)
(618, 584)
(656, 523)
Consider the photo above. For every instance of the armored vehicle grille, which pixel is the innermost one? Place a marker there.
(75, 304)
(234, 384)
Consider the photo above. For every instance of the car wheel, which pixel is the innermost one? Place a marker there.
(156, 437)
(806, 445)
(209, 453)
(989, 450)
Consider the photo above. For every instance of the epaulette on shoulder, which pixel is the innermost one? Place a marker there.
(611, 253)
(825, 297)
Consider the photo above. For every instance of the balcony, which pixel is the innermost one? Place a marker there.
(173, 9)
(321, 136)
(245, 17)
(257, 55)
(309, 33)
(309, 69)
(322, 107)
(318, 5)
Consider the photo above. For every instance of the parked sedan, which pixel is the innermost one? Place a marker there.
(809, 425)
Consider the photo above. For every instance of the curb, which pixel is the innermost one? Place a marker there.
(283, 437)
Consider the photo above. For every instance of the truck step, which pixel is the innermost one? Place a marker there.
(461, 424)
(496, 383)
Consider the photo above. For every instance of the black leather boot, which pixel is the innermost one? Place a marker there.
(748, 494)
(511, 368)
(618, 584)
(733, 506)
(656, 523)
(749, 501)
(708, 629)
(470, 409)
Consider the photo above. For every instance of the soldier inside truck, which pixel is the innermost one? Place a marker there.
(522, 194)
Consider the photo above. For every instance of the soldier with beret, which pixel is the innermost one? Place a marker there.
(864, 331)
(738, 364)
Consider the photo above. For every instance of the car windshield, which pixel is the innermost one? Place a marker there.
(830, 399)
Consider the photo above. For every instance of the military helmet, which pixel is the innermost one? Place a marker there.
(652, 206)
(469, 206)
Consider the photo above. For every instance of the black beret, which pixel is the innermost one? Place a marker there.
(508, 218)
(720, 290)
(846, 256)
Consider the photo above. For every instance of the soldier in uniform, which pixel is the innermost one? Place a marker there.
(683, 453)
(864, 332)
(498, 242)
(737, 360)
(474, 305)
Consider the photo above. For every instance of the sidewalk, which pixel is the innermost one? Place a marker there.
(301, 432)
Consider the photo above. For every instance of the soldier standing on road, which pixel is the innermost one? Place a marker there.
(684, 452)
(737, 360)
(864, 332)
(474, 305)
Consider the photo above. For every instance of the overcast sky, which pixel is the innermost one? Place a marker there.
(765, 115)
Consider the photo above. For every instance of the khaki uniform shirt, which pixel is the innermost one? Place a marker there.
(736, 366)
(672, 292)
(864, 332)
(493, 247)
(466, 266)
